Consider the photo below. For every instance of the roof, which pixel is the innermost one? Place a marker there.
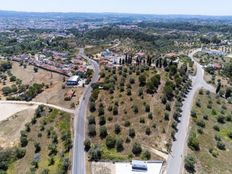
(73, 78)
(139, 164)
(153, 167)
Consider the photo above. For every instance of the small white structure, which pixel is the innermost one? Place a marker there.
(73, 81)
(153, 167)
(139, 165)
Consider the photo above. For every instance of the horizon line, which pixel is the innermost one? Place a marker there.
(126, 13)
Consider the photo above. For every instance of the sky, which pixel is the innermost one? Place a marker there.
(192, 7)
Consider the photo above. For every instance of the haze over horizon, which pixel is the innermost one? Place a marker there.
(164, 7)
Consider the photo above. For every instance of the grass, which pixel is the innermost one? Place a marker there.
(217, 161)
(112, 154)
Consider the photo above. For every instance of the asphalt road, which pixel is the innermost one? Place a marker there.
(175, 162)
(78, 162)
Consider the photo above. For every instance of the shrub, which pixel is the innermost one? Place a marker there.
(91, 119)
(87, 144)
(103, 131)
(205, 117)
(110, 142)
(131, 133)
(217, 138)
(23, 141)
(37, 147)
(198, 104)
(142, 120)
(117, 128)
(150, 116)
(102, 120)
(221, 145)
(147, 108)
(92, 130)
(146, 155)
(216, 127)
(92, 107)
(127, 124)
(230, 135)
(189, 163)
(136, 149)
(115, 110)
(148, 131)
(168, 107)
(201, 123)
(20, 153)
(119, 145)
(101, 111)
(214, 152)
(95, 153)
(193, 142)
(166, 116)
(135, 109)
(193, 114)
(228, 118)
(221, 119)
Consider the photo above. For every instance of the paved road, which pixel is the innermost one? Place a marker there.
(78, 163)
(175, 160)
(36, 103)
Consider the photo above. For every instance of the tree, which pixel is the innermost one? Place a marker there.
(136, 149)
(115, 110)
(148, 131)
(119, 145)
(221, 145)
(110, 142)
(135, 109)
(91, 119)
(147, 108)
(101, 111)
(189, 164)
(95, 153)
(131, 132)
(37, 147)
(117, 128)
(228, 93)
(193, 142)
(103, 132)
(20, 153)
(92, 130)
(102, 120)
(23, 141)
(146, 155)
(92, 107)
(142, 80)
(87, 144)
(168, 90)
(35, 69)
(218, 87)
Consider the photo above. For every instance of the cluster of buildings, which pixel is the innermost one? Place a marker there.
(57, 62)
(110, 59)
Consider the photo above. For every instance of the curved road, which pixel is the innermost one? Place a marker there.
(78, 162)
(36, 103)
(176, 156)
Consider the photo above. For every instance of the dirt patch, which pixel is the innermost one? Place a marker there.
(10, 128)
(103, 168)
(7, 110)
(54, 94)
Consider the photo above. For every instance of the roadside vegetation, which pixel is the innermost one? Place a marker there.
(45, 145)
(210, 138)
